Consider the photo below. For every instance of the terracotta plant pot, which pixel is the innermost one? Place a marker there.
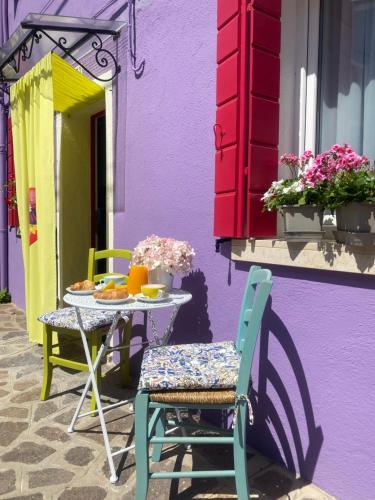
(356, 224)
(303, 223)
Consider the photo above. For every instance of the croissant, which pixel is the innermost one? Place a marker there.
(111, 294)
(83, 285)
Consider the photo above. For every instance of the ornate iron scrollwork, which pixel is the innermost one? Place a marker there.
(103, 56)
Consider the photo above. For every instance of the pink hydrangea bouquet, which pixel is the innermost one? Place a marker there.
(168, 254)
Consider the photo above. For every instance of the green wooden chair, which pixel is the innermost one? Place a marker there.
(200, 376)
(63, 322)
(96, 255)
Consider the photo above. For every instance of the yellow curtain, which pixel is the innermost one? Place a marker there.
(51, 85)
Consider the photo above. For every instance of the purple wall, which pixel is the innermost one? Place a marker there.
(314, 371)
(16, 272)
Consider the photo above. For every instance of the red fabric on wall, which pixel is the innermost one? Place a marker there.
(11, 180)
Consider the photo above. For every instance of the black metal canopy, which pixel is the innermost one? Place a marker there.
(40, 33)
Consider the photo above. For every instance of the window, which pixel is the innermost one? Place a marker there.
(346, 99)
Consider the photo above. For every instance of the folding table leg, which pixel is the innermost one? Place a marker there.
(91, 380)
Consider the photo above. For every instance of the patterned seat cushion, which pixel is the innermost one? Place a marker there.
(190, 366)
(66, 318)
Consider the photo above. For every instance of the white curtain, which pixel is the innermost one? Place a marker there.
(347, 75)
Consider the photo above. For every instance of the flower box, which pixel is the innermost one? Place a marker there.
(303, 223)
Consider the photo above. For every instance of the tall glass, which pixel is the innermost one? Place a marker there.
(138, 276)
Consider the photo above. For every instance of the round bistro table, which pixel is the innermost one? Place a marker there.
(122, 311)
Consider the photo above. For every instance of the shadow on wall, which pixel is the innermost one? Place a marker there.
(267, 422)
(192, 322)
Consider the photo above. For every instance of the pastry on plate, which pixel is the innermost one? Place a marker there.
(112, 294)
(83, 285)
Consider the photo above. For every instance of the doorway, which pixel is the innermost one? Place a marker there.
(98, 185)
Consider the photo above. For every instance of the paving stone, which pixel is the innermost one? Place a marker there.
(45, 409)
(83, 493)
(79, 455)
(9, 431)
(24, 397)
(3, 393)
(33, 496)
(53, 434)
(47, 477)
(14, 335)
(14, 412)
(28, 453)
(64, 418)
(7, 481)
(26, 358)
(26, 383)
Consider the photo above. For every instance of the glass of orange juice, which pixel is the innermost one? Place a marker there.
(138, 276)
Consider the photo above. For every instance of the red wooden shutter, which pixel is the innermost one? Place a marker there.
(264, 81)
(247, 115)
(11, 177)
(231, 110)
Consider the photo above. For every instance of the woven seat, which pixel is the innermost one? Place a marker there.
(66, 318)
(215, 396)
(190, 366)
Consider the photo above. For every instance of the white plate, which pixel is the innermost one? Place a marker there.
(80, 292)
(143, 298)
(113, 301)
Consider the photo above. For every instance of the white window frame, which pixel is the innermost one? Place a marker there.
(299, 75)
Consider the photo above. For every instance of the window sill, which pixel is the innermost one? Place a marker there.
(325, 255)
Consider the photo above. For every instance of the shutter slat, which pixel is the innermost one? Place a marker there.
(227, 80)
(265, 32)
(265, 162)
(227, 39)
(271, 6)
(225, 203)
(225, 10)
(225, 175)
(264, 121)
(265, 74)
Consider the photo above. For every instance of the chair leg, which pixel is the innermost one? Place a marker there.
(95, 342)
(141, 446)
(239, 449)
(47, 365)
(159, 432)
(124, 354)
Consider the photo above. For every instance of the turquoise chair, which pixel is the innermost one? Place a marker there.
(200, 376)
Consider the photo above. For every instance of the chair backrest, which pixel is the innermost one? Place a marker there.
(95, 255)
(257, 291)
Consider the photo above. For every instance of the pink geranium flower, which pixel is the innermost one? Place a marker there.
(337, 158)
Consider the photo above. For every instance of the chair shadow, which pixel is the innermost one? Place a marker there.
(267, 417)
(193, 322)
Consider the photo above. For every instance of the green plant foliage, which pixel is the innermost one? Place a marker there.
(352, 186)
(5, 297)
(293, 192)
